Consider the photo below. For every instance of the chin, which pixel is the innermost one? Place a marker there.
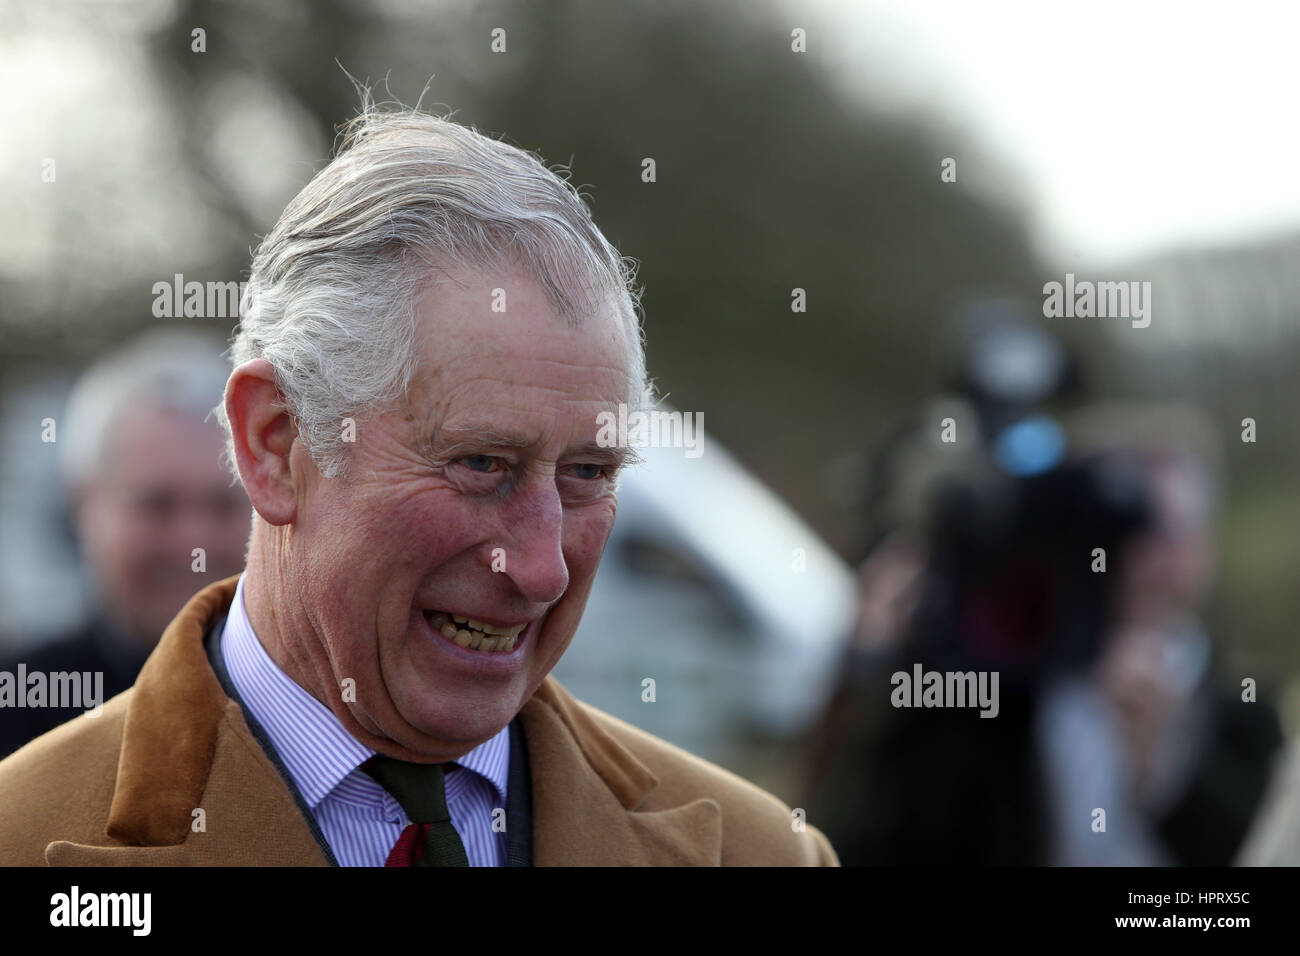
(463, 718)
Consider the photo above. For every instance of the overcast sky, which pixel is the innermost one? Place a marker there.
(1127, 127)
(1136, 125)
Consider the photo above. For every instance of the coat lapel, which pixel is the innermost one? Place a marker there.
(249, 817)
(588, 790)
(186, 747)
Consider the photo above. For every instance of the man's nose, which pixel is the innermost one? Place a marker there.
(534, 553)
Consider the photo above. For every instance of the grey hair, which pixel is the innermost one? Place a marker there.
(330, 301)
(178, 370)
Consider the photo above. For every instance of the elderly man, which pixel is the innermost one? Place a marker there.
(141, 464)
(429, 335)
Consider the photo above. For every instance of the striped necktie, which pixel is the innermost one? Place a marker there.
(420, 788)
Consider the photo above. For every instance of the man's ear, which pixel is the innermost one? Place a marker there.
(263, 433)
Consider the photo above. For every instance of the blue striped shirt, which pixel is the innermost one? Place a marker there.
(358, 817)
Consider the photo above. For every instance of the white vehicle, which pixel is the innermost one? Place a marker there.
(712, 588)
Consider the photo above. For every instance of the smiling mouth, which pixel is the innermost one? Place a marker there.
(474, 635)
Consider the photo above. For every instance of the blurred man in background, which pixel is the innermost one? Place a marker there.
(986, 560)
(146, 488)
(1151, 732)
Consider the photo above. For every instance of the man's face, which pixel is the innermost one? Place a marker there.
(159, 493)
(1169, 569)
(484, 498)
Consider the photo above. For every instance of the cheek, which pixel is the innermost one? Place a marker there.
(232, 535)
(399, 540)
(442, 526)
(103, 525)
(1196, 563)
(132, 538)
(585, 535)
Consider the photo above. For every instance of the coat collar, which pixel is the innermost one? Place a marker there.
(588, 789)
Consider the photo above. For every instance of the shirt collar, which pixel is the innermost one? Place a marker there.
(316, 749)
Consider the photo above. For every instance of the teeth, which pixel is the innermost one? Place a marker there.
(476, 635)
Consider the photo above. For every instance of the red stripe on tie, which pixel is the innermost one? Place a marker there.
(409, 846)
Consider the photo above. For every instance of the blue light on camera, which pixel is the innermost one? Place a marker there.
(1030, 447)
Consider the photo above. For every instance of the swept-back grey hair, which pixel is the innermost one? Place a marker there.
(174, 369)
(330, 301)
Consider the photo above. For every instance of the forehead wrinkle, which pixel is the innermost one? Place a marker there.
(562, 393)
(593, 371)
(573, 352)
(461, 375)
(504, 389)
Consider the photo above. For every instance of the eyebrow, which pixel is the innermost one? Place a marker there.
(455, 442)
(615, 456)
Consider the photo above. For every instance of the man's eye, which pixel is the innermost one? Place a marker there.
(480, 463)
(588, 471)
(156, 505)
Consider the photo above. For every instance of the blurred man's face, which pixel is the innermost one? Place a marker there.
(160, 492)
(1169, 569)
(485, 499)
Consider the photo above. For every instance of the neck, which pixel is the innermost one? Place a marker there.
(278, 617)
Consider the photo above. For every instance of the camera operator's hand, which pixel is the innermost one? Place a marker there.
(889, 583)
(1134, 676)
